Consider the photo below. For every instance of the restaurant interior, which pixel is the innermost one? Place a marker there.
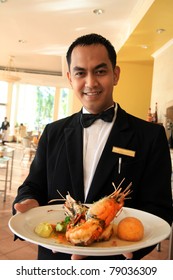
(33, 57)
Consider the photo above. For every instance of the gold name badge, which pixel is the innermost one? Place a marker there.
(122, 151)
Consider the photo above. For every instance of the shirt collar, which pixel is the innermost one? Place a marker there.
(85, 111)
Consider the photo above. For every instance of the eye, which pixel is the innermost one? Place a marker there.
(101, 72)
(79, 74)
(118, 199)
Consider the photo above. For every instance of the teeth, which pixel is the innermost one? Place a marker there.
(92, 93)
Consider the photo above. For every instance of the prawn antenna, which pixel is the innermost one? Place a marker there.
(60, 194)
(127, 189)
(116, 188)
(57, 199)
(127, 198)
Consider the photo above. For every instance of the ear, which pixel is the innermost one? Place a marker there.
(69, 78)
(116, 75)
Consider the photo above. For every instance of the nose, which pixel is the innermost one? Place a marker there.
(91, 80)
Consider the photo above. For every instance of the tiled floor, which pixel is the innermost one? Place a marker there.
(22, 250)
(10, 250)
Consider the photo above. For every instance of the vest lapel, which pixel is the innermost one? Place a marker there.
(74, 148)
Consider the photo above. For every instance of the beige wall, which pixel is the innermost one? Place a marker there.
(162, 89)
(133, 92)
(76, 104)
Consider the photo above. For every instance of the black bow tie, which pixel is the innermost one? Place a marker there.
(88, 119)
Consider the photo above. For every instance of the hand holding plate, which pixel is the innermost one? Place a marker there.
(25, 205)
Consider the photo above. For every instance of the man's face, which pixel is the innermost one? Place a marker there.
(92, 77)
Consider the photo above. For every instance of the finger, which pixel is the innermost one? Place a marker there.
(26, 205)
(128, 255)
(22, 207)
(77, 257)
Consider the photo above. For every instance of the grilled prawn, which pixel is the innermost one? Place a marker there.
(75, 210)
(94, 223)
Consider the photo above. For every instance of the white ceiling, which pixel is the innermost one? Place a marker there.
(38, 32)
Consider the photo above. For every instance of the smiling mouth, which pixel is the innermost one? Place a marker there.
(95, 93)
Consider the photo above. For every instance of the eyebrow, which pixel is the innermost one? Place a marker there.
(78, 68)
(104, 65)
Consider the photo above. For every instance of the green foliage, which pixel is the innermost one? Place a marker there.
(44, 107)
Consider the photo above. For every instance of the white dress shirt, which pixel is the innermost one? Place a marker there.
(94, 140)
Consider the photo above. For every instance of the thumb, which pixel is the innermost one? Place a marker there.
(26, 205)
(77, 257)
(128, 255)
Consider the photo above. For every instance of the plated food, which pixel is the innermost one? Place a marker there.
(23, 225)
(130, 229)
(91, 230)
(85, 225)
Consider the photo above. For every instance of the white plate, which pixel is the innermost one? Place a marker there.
(23, 224)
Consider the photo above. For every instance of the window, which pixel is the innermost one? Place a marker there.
(3, 99)
(32, 105)
(44, 106)
(63, 103)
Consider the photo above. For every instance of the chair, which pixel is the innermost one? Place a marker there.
(28, 149)
(170, 238)
(170, 255)
(21, 132)
(4, 164)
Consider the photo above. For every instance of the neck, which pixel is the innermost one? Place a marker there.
(87, 111)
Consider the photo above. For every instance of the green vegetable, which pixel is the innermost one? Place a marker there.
(67, 220)
(62, 226)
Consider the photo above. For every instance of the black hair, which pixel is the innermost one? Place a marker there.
(93, 39)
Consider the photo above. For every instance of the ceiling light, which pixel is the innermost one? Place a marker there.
(7, 74)
(98, 11)
(21, 41)
(160, 30)
(3, 1)
(144, 46)
(80, 28)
